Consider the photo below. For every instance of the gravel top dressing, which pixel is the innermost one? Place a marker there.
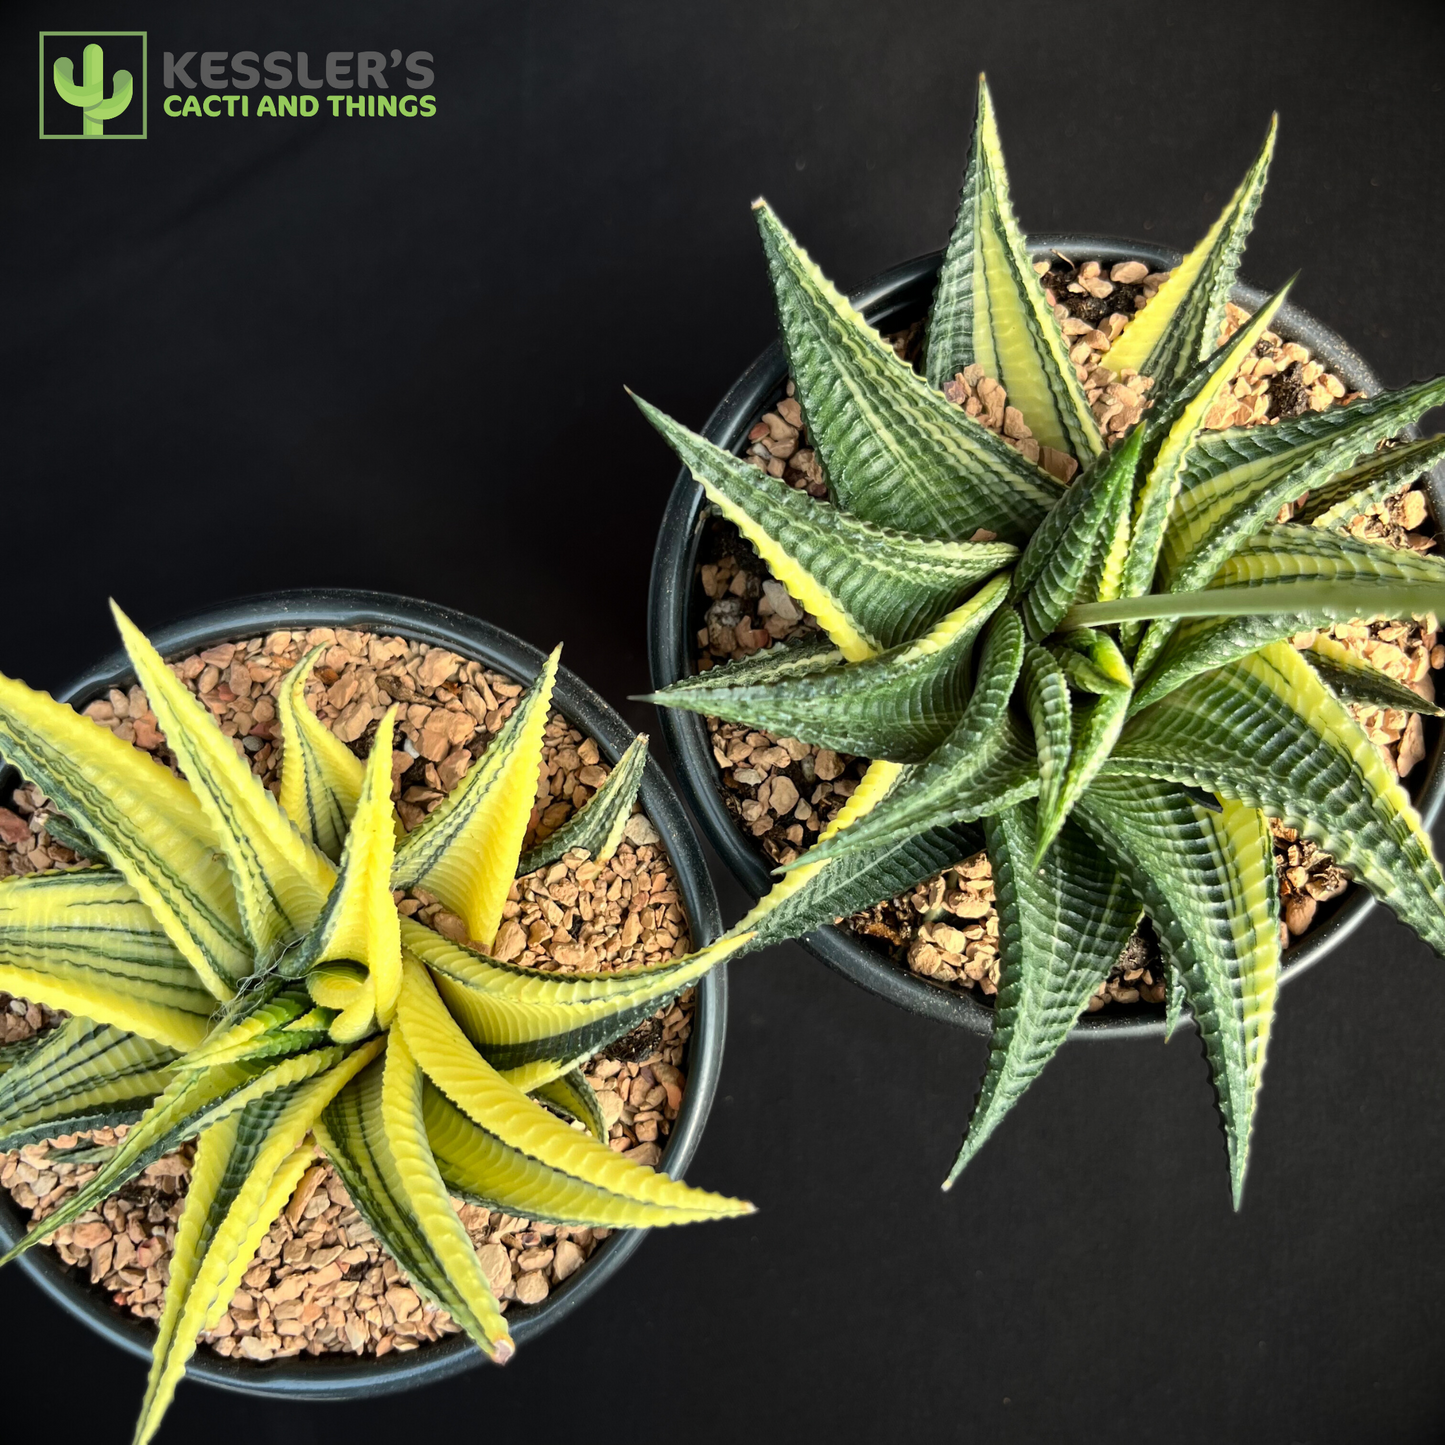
(320, 1282)
(784, 792)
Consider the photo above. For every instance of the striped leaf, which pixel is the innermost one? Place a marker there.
(270, 1020)
(1267, 732)
(984, 765)
(478, 1167)
(1353, 678)
(280, 878)
(359, 922)
(84, 941)
(1091, 665)
(1057, 559)
(320, 775)
(246, 1167)
(1236, 481)
(825, 892)
(1176, 1000)
(989, 308)
(1181, 325)
(1178, 426)
(191, 1104)
(17, 1051)
(519, 1017)
(597, 827)
(1203, 643)
(1062, 926)
(1339, 501)
(897, 706)
(894, 450)
(474, 1086)
(141, 817)
(572, 1096)
(466, 851)
(1050, 710)
(818, 893)
(1207, 881)
(869, 587)
(373, 1132)
(80, 1075)
(1284, 580)
(1095, 728)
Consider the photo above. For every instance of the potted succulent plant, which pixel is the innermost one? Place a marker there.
(1054, 608)
(239, 971)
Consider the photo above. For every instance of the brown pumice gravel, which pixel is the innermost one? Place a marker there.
(783, 792)
(320, 1282)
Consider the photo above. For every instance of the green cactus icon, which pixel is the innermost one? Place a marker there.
(95, 109)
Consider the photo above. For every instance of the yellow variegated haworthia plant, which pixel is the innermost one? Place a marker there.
(239, 973)
(1106, 685)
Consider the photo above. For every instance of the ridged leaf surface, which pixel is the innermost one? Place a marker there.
(245, 1169)
(141, 817)
(80, 1075)
(870, 587)
(320, 775)
(375, 1137)
(897, 706)
(984, 765)
(449, 1060)
(466, 851)
(1062, 926)
(83, 941)
(1353, 491)
(989, 308)
(1266, 731)
(597, 827)
(1207, 881)
(895, 451)
(1181, 325)
(280, 878)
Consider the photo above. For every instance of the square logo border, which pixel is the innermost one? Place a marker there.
(144, 81)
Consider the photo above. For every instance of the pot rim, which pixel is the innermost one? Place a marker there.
(891, 297)
(338, 1377)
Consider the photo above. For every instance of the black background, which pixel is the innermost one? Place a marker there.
(250, 355)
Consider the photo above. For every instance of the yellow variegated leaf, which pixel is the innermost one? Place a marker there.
(281, 879)
(373, 1133)
(359, 921)
(190, 1105)
(600, 824)
(455, 1067)
(245, 1169)
(466, 851)
(320, 775)
(520, 1016)
(401, 1117)
(80, 1075)
(483, 1170)
(83, 941)
(1161, 485)
(1181, 324)
(571, 1095)
(989, 308)
(141, 817)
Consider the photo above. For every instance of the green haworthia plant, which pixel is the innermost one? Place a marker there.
(239, 974)
(1104, 694)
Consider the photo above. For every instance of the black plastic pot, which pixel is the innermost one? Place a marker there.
(338, 1377)
(890, 302)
